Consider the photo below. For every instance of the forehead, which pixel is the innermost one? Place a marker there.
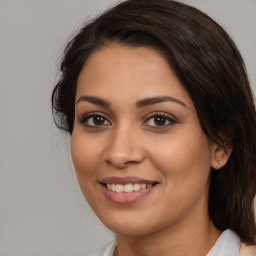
(138, 72)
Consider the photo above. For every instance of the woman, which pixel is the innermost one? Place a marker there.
(157, 102)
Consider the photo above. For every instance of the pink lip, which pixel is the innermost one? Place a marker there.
(125, 197)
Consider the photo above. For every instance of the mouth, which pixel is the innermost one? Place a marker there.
(126, 190)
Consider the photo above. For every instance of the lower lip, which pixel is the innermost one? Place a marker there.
(126, 197)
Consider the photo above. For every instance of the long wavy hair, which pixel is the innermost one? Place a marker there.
(211, 69)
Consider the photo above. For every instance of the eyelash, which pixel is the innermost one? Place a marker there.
(166, 117)
(84, 119)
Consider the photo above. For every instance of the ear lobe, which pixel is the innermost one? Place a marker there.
(220, 156)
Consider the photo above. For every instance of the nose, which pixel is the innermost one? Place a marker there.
(123, 148)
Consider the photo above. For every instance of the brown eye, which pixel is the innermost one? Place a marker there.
(159, 120)
(94, 120)
(98, 120)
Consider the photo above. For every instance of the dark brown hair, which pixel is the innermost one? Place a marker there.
(211, 69)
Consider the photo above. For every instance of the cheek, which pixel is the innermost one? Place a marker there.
(184, 159)
(85, 156)
(184, 164)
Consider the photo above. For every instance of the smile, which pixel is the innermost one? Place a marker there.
(127, 187)
(126, 190)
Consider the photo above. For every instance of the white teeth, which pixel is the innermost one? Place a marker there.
(113, 187)
(143, 185)
(127, 187)
(119, 188)
(136, 187)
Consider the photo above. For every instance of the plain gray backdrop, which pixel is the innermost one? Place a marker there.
(42, 211)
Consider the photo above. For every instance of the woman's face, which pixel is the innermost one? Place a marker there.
(136, 126)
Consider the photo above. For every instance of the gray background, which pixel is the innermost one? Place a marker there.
(42, 211)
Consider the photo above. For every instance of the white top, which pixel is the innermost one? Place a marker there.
(228, 244)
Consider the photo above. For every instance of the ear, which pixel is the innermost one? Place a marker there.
(220, 155)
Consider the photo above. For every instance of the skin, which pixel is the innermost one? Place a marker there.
(173, 218)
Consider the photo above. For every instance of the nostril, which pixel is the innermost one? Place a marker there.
(108, 162)
(119, 164)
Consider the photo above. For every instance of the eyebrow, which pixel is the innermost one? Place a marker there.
(140, 104)
(94, 100)
(161, 99)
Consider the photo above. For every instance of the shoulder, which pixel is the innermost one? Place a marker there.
(106, 250)
(247, 250)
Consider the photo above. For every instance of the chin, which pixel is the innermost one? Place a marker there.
(129, 230)
(128, 225)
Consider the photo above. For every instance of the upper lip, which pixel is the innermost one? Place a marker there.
(126, 180)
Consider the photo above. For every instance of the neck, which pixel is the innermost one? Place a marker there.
(195, 235)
